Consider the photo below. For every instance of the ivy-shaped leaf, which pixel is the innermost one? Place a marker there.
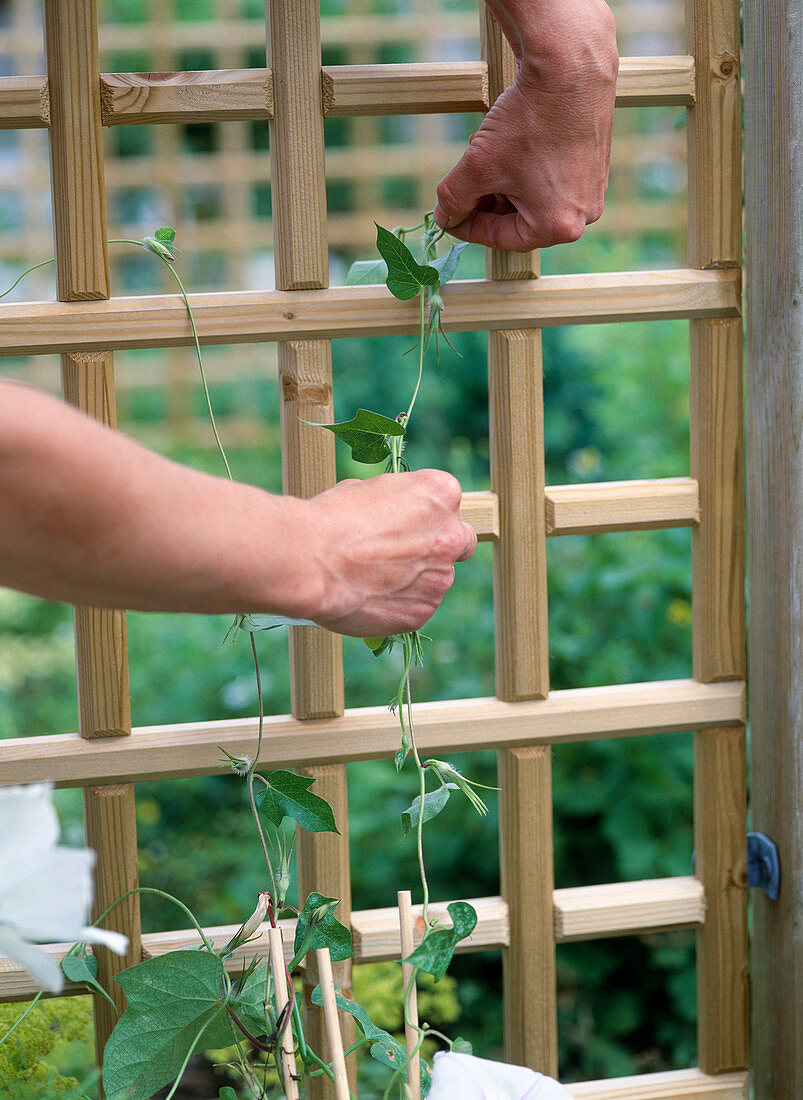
(84, 969)
(446, 265)
(406, 277)
(366, 435)
(435, 952)
(317, 926)
(171, 1000)
(288, 795)
(384, 1048)
(367, 273)
(434, 802)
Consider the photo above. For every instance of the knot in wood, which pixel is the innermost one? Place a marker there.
(726, 66)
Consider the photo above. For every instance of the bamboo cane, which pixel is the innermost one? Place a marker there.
(410, 996)
(332, 1023)
(286, 1054)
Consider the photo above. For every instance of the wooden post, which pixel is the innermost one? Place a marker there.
(82, 273)
(773, 35)
(522, 649)
(718, 627)
(305, 377)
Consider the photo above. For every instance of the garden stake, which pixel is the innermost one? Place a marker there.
(411, 1030)
(332, 1023)
(287, 1056)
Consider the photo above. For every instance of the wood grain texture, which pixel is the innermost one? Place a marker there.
(24, 103)
(369, 733)
(681, 1084)
(501, 74)
(329, 996)
(296, 145)
(717, 463)
(645, 81)
(714, 127)
(323, 865)
(418, 88)
(138, 321)
(199, 96)
(774, 238)
(622, 506)
(308, 467)
(517, 477)
(720, 843)
(101, 641)
(525, 835)
(76, 155)
(82, 274)
(624, 908)
(111, 829)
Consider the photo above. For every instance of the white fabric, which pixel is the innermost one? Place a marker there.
(468, 1078)
(45, 889)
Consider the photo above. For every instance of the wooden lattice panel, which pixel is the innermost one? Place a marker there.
(303, 315)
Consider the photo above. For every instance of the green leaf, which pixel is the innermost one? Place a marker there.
(384, 1048)
(287, 795)
(406, 277)
(446, 265)
(435, 952)
(367, 273)
(317, 926)
(434, 802)
(462, 1046)
(366, 435)
(167, 235)
(403, 751)
(254, 623)
(171, 999)
(227, 1093)
(84, 969)
(249, 1003)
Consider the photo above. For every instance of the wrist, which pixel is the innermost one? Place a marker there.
(561, 39)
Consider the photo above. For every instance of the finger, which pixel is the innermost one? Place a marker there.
(470, 545)
(460, 190)
(514, 233)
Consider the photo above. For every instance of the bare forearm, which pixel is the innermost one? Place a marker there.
(88, 516)
(537, 27)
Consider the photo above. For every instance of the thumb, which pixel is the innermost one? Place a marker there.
(459, 192)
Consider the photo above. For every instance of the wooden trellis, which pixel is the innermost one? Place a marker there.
(524, 719)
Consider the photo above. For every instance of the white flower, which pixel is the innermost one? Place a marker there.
(473, 1078)
(45, 890)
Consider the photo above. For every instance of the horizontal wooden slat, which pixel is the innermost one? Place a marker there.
(372, 732)
(622, 506)
(24, 103)
(681, 1084)
(376, 931)
(235, 94)
(481, 510)
(592, 912)
(32, 328)
(655, 81)
(201, 96)
(621, 908)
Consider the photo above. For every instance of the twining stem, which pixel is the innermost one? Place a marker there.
(420, 358)
(35, 267)
(185, 1063)
(162, 894)
(250, 779)
(422, 787)
(17, 1022)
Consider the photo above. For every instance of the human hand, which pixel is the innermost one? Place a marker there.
(383, 551)
(536, 171)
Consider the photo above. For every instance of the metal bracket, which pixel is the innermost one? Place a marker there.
(763, 865)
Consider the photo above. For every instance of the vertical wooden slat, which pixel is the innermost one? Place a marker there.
(715, 240)
(522, 648)
(773, 36)
(305, 372)
(525, 806)
(71, 51)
